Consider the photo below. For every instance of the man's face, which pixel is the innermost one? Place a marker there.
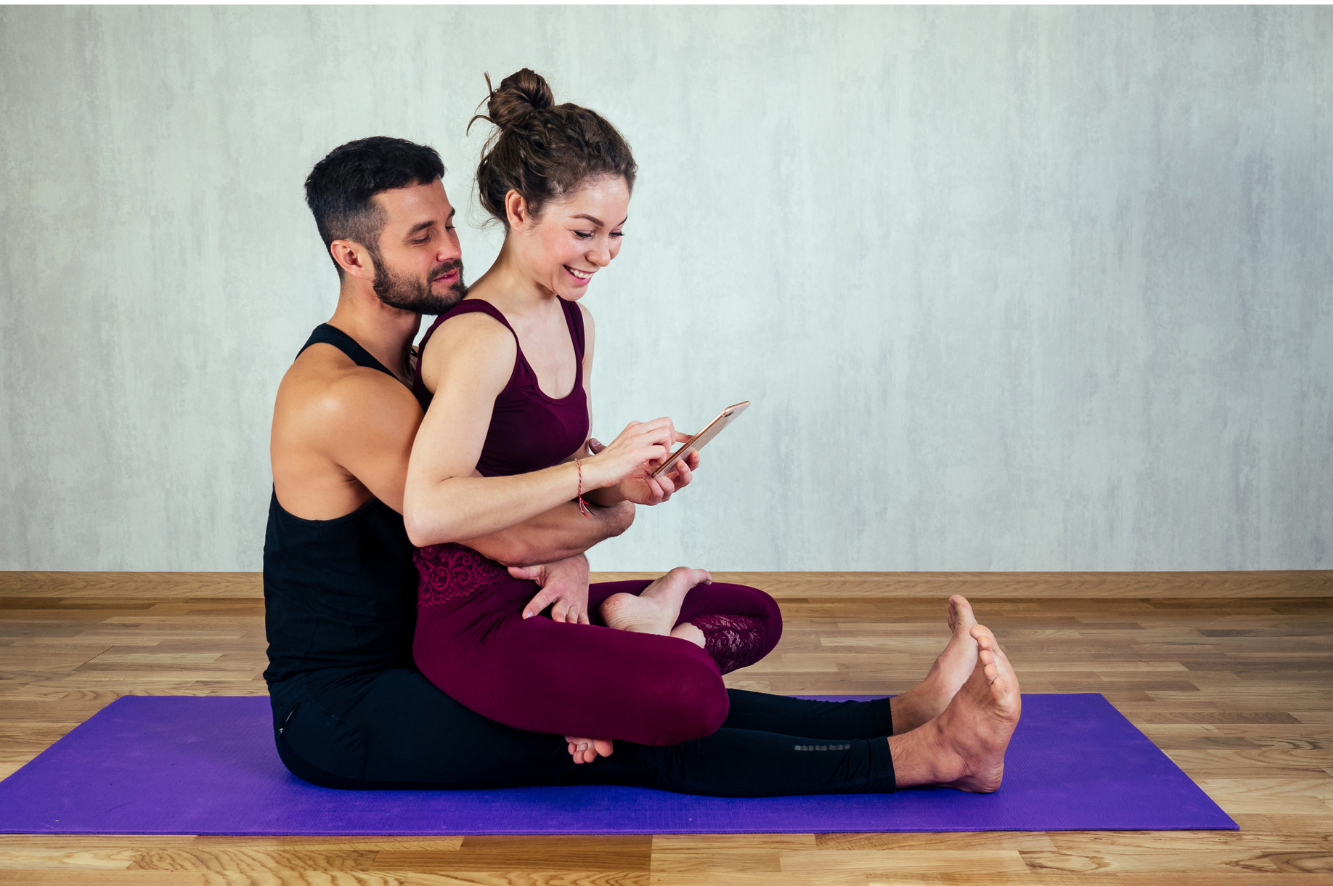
(418, 263)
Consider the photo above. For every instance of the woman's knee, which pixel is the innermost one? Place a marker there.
(757, 604)
(694, 703)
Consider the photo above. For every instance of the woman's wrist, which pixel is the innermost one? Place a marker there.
(593, 477)
(606, 496)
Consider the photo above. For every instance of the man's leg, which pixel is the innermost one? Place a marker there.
(867, 719)
(395, 730)
(963, 748)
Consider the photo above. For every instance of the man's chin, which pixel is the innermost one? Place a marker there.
(439, 304)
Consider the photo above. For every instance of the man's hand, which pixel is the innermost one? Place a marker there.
(563, 583)
(585, 750)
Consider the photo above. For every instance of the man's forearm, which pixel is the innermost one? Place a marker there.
(559, 533)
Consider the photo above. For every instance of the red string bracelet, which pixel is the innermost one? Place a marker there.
(582, 507)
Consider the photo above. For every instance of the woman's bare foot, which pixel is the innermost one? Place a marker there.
(964, 747)
(655, 610)
(927, 700)
(585, 750)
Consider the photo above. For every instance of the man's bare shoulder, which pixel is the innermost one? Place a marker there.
(325, 395)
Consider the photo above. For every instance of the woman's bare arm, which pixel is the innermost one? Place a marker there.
(470, 359)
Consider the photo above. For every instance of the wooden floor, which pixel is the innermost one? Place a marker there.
(1239, 692)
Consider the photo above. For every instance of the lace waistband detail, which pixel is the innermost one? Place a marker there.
(451, 571)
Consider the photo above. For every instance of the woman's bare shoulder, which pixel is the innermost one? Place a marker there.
(477, 343)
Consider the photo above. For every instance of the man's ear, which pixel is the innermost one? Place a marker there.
(353, 258)
(516, 209)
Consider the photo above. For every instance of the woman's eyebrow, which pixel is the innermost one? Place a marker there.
(598, 221)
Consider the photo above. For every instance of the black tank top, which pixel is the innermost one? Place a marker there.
(338, 593)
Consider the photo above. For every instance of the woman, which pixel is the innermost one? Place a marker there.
(506, 377)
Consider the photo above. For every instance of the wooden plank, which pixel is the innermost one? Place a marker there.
(1258, 584)
(1237, 690)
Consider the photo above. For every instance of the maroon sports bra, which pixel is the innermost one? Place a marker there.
(529, 431)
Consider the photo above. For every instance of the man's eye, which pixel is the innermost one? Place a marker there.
(422, 242)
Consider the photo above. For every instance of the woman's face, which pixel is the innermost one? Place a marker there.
(576, 237)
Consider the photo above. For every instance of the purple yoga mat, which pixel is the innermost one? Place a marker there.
(187, 765)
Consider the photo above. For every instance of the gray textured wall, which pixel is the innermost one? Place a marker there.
(1041, 288)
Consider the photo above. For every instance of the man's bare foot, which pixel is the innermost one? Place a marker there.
(655, 610)
(964, 747)
(927, 700)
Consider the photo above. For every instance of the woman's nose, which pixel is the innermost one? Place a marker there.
(600, 255)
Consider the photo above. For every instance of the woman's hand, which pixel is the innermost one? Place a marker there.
(564, 583)
(632, 453)
(585, 750)
(649, 490)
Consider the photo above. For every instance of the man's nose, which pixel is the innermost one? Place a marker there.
(449, 250)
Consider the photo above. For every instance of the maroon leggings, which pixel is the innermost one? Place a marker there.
(591, 680)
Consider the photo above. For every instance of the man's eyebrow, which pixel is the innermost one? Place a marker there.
(419, 227)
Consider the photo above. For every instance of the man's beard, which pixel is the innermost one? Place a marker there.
(416, 295)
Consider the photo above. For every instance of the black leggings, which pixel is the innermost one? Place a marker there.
(395, 729)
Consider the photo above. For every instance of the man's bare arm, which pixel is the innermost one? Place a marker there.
(559, 533)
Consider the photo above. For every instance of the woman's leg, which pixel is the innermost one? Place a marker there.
(567, 679)
(740, 625)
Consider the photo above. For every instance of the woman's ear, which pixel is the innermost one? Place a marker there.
(516, 209)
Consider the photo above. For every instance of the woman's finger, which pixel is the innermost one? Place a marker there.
(665, 483)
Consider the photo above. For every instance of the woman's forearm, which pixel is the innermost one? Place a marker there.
(460, 508)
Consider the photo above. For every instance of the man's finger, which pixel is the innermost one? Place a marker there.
(583, 618)
(527, 573)
(595, 445)
(538, 603)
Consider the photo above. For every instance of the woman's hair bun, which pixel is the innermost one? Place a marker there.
(518, 96)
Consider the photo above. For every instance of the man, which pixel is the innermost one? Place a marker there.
(350, 710)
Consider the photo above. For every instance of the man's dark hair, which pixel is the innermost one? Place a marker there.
(340, 187)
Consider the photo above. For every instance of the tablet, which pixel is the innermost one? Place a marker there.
(699, 440)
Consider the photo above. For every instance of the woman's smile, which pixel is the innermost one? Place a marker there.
(581, 278)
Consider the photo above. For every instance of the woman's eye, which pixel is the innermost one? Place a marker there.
(583, 235)
(617, 233)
